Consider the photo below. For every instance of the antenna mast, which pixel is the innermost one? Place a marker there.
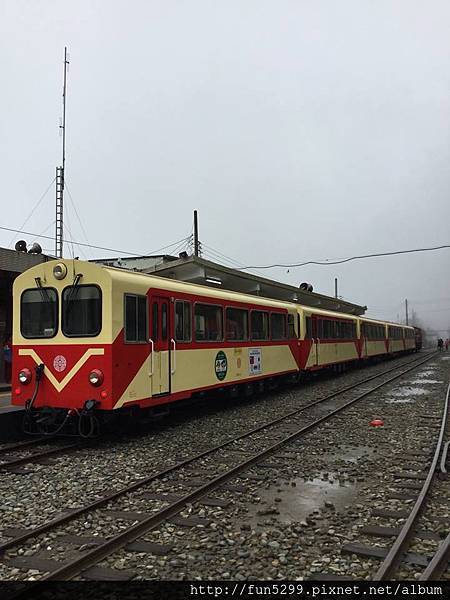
(60, 174)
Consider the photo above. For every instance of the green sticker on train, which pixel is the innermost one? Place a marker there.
(221, 365)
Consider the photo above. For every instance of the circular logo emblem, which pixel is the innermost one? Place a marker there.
(221, 365)
(59, 363)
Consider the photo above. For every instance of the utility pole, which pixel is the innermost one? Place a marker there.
(196, 252)
(60, 175)
(335, 287)
(406, 310)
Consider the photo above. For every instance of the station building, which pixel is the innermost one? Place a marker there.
(12, 263)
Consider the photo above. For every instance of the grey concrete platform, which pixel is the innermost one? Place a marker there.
(10, 419)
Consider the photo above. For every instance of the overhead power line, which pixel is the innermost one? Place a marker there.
(115, 250)
(35, 207)
(328, 261)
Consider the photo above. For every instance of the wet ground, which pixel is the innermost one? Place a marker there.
(298, 502)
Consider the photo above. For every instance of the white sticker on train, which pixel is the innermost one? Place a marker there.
(254, 361)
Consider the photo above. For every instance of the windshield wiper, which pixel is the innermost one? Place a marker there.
(72, 294)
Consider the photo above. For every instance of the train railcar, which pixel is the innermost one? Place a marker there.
(409, 339)
(417, 338)
(91, 341)
(373, 335)
(327, 338)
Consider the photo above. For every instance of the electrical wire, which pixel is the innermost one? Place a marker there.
(76, 211)
(47, 237)
(345, 260)
(34, 209)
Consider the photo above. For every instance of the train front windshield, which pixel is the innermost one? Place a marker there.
(39, 313)
(81, 311)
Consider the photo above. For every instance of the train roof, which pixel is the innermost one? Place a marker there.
(155, 279)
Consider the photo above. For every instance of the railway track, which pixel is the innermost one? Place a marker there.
(218, 466)
(45, 456)
(439, 563)
(40, 456)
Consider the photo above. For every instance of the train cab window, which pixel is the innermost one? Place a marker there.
(81, 311)
(291, 327)
(260, 325)
(208, 323)
(309, 332)
(236, 324)
(183, 321)
(135, 318)
(278, 326)
(39, 313)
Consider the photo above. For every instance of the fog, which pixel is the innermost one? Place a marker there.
(299, 131)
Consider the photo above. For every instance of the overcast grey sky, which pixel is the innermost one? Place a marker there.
(299, 129)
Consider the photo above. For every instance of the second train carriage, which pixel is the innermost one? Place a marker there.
(89, 340)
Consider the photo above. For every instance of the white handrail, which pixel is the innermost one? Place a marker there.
(174, 362)
(151, 342)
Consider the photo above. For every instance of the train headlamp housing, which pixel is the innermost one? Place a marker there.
(89, 404)
(59, 271)
(96, 377)
(25, 376)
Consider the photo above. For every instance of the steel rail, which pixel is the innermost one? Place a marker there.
(444, 458)
(438, 564)
(39, 455)
(168, 470)
(19, 445)
(92, 557)
(394, 555)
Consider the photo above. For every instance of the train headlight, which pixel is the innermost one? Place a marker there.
(96, 377)
(25, 376)
(59, 271)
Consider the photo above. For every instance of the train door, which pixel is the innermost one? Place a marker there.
(160, 341)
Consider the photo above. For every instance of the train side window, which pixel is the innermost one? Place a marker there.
(278, 326)
(183, 318)
(164, 321)
(260, 325)
(208, 322)
(155, 321)
(236, 324)
(319, 326)
(135, 318)
(291, 327)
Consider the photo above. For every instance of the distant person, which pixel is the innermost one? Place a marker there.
(440, 344)
(447, 342)
(7, 358)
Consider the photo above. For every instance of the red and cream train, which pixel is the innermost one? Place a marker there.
(91, 341)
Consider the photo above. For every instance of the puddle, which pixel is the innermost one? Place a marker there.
(425, 381)
(350, 454)
(445, 358)
(299, 502)
(427, 373)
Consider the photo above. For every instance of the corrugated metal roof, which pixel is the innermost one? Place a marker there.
(18, 262)
(204, 272)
